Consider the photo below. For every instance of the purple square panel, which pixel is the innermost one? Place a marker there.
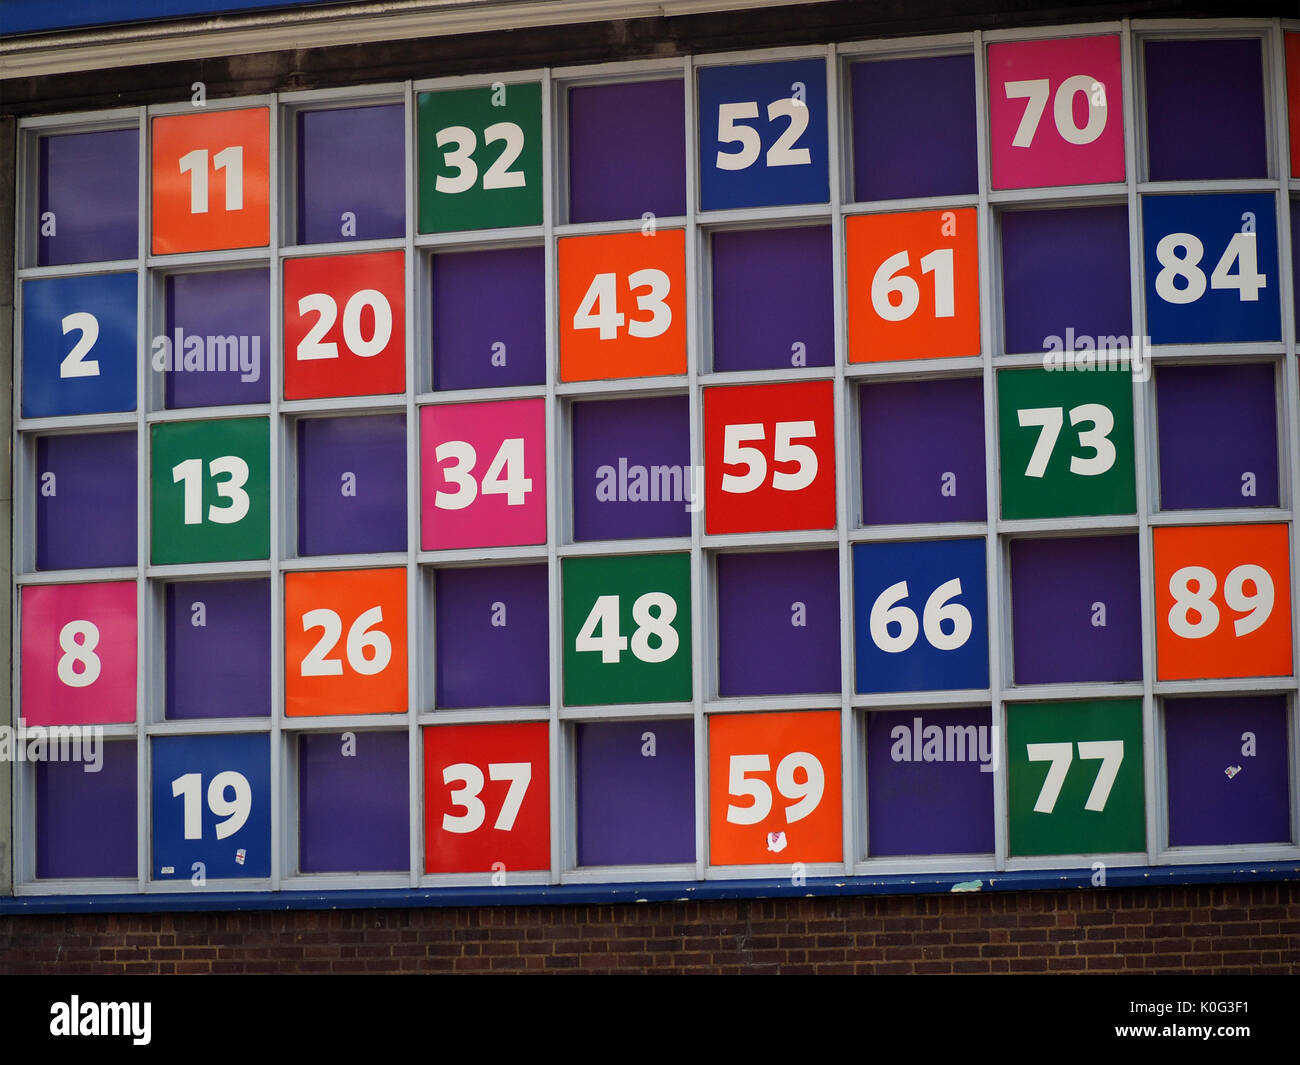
(627, 151)
(773, 304)
(1227, 764)
(218, 649)
(1075, 615)
(1046, 292)
(632, 472)
(217, 347)
(489, 319)
(85, 822)
(1218, 436)
(88, 201)
(491, 637)
(914, 128)
(778, 623)
(1205, 110)
(353, 802)
(636, 792)
(351, 174)
(85, 500)
(930, 782)
(352, 485)
(923, 451)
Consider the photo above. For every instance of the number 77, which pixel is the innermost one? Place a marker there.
(1110, 752)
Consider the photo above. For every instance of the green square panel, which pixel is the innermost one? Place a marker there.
(1065, 443)
(210, 487)
(480, 158)
(627, 629)
(1075, 777)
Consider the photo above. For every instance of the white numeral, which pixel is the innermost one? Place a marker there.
(235, 811)
(75, 363)
(890, 280)
(784, 450)
(653, 613)
(518, 773)
(195, 164)
(1050, 419)
(498, 175)
(888, 609)
(314, 345)
(1035, 92)
(807, 794)
(598, 309)
(782, 153)
(79, 652)
(1241, 252)
(1256, 607)
(1110, 753)
(504, 476)
(368, 652)
(190, 473)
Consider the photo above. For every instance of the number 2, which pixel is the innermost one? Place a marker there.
(75, 363)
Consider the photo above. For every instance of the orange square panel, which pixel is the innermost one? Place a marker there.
(211, 181)
(913, 285)
(1223, 601)
(345, 642)
(774, 788)
(622, 305)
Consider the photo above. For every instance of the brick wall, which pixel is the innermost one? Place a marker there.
(1222, 929)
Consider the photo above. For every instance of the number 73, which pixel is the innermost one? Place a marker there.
(1110, 752)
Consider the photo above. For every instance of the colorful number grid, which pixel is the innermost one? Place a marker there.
(900, 491)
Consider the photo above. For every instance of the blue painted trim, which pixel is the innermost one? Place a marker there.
(38, 16)
(671, 891)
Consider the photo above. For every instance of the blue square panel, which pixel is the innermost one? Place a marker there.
(1211, 268)
(79, 350)
(763, 135)
(211, 807)
(920, 614)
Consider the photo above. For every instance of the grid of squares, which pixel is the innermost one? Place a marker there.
(870, 458)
